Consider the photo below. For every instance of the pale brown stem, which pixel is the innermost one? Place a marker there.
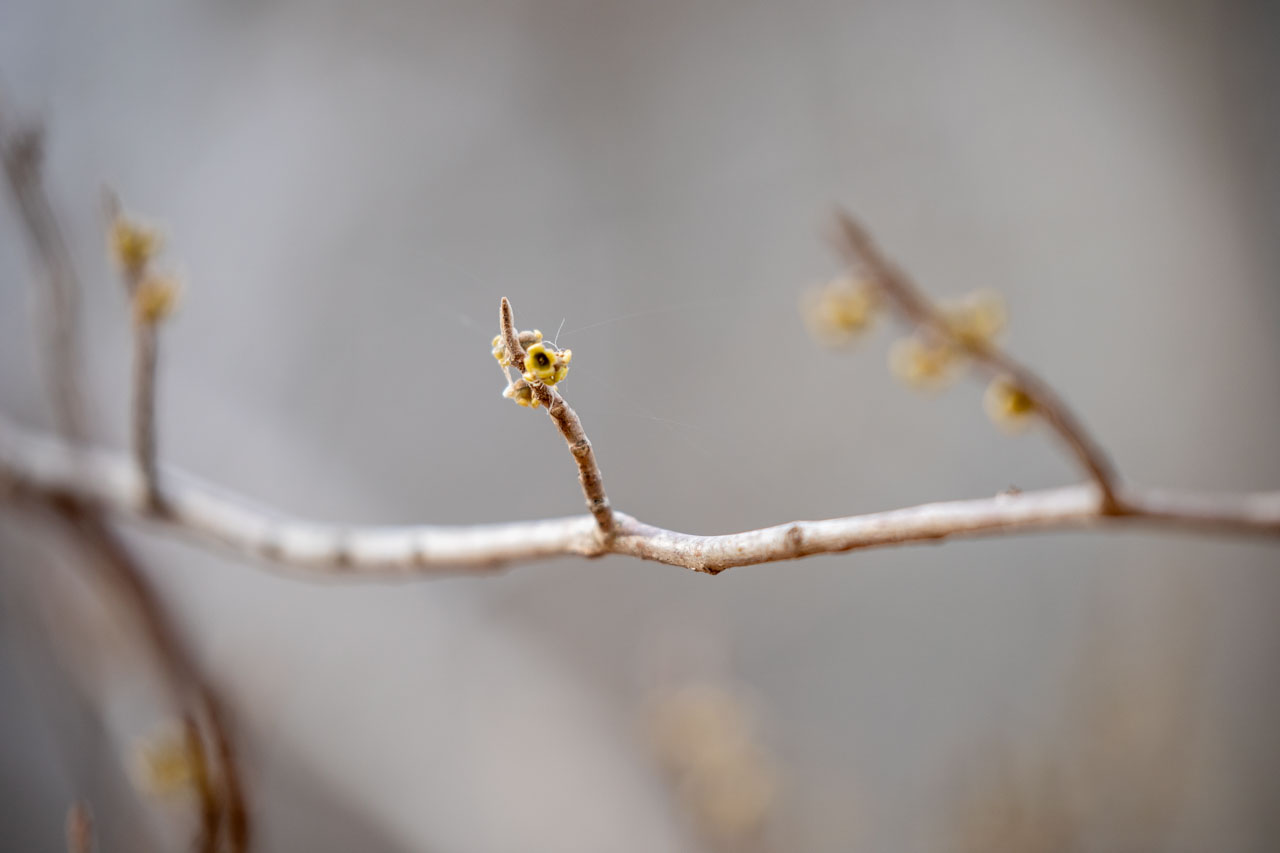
(917, 309)
(79, 828)
(566, 420)
(59, 300)
(145, 350)
(40, 470)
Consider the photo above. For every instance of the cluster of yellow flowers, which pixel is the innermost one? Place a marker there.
(543, 365)
(704, 737)
(134, 246)
(931, 358)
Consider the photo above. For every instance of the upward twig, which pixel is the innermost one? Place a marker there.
(566, 420)
(59, 300)
(856, 245)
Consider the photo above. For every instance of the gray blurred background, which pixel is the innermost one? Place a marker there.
(349, 188)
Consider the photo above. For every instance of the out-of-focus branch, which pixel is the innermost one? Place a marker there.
(22, 153)
(84, 520)
(857, 247)
(38, 469)
(151, 297)
(145, 346)
(566, 420)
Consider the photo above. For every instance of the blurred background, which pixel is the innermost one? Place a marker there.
(348, 188)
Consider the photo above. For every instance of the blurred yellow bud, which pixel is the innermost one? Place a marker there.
(924, 364)
(698, 725)
(977, 319)
(704, 736)
(736, 802)
(1008, 405)
(155, 297)
(166, 765)
(840, 310)
(134, 245)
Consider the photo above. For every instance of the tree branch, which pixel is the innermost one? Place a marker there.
(39, 469)
(856, 245)
(566, 420)
(23, 153)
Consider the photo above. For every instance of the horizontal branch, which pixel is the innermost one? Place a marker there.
(43, 469)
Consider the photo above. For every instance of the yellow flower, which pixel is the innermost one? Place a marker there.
(924, 364)
(155, 297)
(840, 310)
(546, 364)
(133, 245)
(978, 319)
(1008, 405)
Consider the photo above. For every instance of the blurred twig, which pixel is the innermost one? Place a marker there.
(22, 152)
(859, 249)
(22, 155)
(41, 470)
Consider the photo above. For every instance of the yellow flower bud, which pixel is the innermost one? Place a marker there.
(165, 765)
(134, 245)
(840, 310)
(1008, 405)
(155, 297)
(924, 364)
(978, 319)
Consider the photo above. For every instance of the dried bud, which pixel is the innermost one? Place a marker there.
(522, 393)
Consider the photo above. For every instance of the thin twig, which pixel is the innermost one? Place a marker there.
(134, 262)
(59, 300)
(35, 468)
(861, 251)
(566, 420)
(145, 345)
(79, 828)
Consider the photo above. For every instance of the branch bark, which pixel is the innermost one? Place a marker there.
(38, 469)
